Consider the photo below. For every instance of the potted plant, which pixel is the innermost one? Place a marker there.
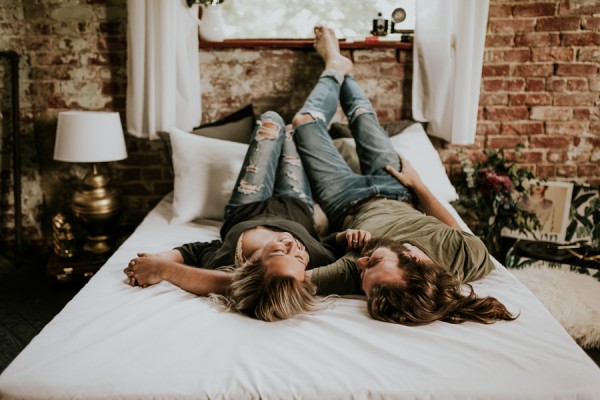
(489, 192)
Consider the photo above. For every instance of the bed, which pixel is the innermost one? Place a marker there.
(113, 341)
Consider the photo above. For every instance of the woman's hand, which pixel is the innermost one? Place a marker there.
(355, 239)
(146, 269)
(408, 176)
(150, 269)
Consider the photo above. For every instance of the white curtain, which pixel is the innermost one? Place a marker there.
(163, 68)
(448, 57)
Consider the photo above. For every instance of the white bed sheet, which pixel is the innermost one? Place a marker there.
(113, 341)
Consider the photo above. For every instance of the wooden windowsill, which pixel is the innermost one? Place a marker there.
(303, 44)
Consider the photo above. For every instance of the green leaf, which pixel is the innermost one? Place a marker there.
(579, 201)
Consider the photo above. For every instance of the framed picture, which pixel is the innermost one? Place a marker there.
(584, 225)
(551, 202)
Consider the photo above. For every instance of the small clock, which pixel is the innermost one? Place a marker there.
(398, 15)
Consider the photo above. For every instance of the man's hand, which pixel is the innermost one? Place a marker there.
(428, 203)
(409, 177)
(355, 239)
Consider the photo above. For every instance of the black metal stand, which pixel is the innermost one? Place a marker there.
(13, 58)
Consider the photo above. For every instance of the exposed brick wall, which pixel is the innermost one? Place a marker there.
(281, 79)
(540, 87)
(73, 57)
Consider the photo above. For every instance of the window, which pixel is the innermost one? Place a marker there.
(295, 19)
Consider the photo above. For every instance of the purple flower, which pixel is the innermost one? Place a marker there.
(492, 182)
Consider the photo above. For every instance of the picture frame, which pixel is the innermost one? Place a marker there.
(551, 202)
(584, 225)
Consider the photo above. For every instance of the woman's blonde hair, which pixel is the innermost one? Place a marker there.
(264, 296)
(269, 297)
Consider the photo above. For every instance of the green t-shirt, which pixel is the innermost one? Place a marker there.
(461, 253)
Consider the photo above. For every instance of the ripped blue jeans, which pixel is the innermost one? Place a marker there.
(336, 187)
(272, 167)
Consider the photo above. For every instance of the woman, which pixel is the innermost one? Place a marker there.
(416, 277)
(267, 236)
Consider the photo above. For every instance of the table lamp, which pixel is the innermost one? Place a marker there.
(93, 137)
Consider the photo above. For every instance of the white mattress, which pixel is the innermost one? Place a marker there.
(119, 342)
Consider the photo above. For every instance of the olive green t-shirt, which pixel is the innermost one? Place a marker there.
(461, 253)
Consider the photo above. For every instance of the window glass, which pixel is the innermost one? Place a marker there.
(295, 19)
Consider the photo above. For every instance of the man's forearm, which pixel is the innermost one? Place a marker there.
(433, 207)
(430, 205)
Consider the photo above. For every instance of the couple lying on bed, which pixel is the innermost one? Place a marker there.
(412, 269)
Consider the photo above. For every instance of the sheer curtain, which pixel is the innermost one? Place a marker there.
(163, 68)
(448, 57)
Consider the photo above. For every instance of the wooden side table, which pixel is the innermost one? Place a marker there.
(76, 270)
(527, 252)
(79, 269)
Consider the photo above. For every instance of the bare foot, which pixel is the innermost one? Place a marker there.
(328, 48)
(321, 30)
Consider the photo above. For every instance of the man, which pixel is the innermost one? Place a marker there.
(416, 277)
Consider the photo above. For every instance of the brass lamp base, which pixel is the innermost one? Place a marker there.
(97, 245)
(97, 206)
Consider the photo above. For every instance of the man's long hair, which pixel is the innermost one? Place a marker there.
(427, 293)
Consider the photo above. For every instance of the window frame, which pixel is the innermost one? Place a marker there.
(302, 44)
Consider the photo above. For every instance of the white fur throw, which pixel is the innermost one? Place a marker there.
(572, 298)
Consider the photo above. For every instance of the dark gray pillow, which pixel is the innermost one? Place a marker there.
(236, 127)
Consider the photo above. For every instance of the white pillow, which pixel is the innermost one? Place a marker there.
(205, 172)
(414, 145)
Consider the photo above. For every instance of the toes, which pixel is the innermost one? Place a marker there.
(320, 31)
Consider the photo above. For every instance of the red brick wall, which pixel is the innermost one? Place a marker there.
(540, 87)
(281, 79)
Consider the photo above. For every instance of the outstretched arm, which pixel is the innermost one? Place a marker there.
(149, 269)
(428, 202)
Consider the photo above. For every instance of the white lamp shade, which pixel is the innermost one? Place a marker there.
(87, 136)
